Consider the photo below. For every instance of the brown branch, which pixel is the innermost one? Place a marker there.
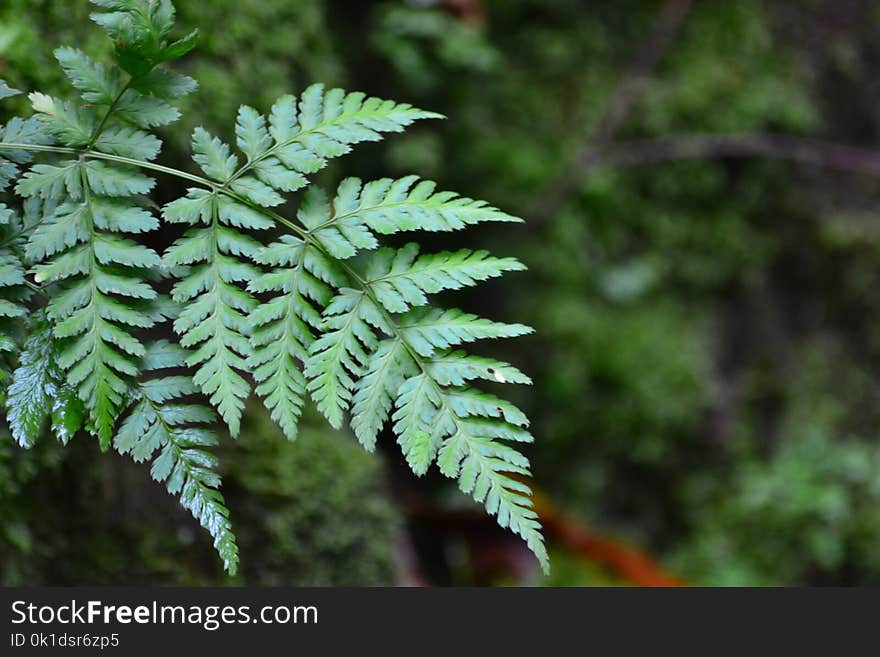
(631, 564)
(494, 549)
(624, 97)
(470, 11)
(634, 81)
(772, 145)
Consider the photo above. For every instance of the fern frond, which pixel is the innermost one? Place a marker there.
(39, 392)
(299, 316)
(338, 357)
(429, 329)
(158, 421)
(214, 319)
(284, 327)
(482, 466)
(322, 125)
(437, 415)
(102, 296)
(389, 206)
(461, 426)
(401, 279)
(389, 366)
(99, 352)
(295, 140)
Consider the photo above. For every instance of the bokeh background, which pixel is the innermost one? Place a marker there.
(700, 184)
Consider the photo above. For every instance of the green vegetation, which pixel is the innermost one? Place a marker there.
(705, 349)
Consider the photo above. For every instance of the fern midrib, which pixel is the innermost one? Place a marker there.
(98, 155)
(87, 201)
(96, 134)
(295, 276)
(353, 213)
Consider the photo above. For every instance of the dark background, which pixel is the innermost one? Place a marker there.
(700, 186)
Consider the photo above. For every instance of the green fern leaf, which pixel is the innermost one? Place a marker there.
(128, 142)
(339, 355)
(99, 84)
(214, 321)
(115, 180)
(429, 329)
(447, 424)
(357, 335)
(389, 206)
(213, 156)
(71, 123)
(455, 368)
(327, 124)
(401, 279)
(48, 181)
(145, 111)
(377, 389)
(418, 421)
(159, 422)
(284, 326)
(252, 134)
(94, 322)
(339, 238)
(483, 468)
(164, 83)
(38, 392)
(298, 138)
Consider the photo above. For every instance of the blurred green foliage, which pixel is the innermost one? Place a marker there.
(319, 513)
(310, 513)
(707, 346)
(809, 507)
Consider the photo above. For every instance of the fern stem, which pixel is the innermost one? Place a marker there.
(100, 127)
(210, 184)
(247, 166)
(34, 287)
(63, 150)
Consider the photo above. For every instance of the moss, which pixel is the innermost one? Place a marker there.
(313, 512)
